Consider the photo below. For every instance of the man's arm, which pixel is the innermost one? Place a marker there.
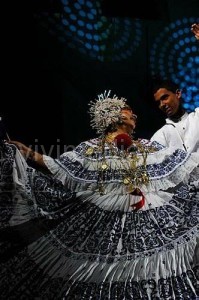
(195, 30)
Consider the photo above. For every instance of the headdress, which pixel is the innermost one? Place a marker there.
(105, 111)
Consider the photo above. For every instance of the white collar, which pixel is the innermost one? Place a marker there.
(184, 116)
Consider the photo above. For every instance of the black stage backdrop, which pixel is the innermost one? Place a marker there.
(59, 55)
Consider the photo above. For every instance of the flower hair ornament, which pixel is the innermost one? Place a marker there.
(106, 110)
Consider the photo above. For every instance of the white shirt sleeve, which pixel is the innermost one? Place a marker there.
(160, 137)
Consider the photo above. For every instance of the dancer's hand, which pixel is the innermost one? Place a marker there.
(25, 151)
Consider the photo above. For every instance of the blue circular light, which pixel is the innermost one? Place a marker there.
(89, 4)
(80, 33)
(186, 105)
(89, 36)
(197, 60)
(88, 46)
(94, 11)
(187, 77)
(76, 17)
(81, 23)
(96, 37)
(181, 42)
(194, 48)
(89, 26)
(90, 16)
(96, 47)
(65, 22)
(82, 13)
(67, 9)
(188, 50)
(72, 28)
(77, 5)
(187, 40)
(73, 17)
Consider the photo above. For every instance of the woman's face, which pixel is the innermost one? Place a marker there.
(129, 120)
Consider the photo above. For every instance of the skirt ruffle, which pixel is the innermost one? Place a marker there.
(81, 246)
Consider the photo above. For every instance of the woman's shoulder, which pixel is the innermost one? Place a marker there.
(150, 145)
(86, 146)
(93, 142)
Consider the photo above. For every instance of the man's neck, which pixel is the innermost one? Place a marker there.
(178, 115)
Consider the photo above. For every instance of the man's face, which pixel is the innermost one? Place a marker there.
(168, 101)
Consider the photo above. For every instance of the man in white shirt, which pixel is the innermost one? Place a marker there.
(181, 129)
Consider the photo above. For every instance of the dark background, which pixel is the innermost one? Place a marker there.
(47, 85)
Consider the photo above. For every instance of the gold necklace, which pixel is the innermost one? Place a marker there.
(110, 137)
(134, 175)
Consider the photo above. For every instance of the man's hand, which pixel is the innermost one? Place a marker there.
(195, 30)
